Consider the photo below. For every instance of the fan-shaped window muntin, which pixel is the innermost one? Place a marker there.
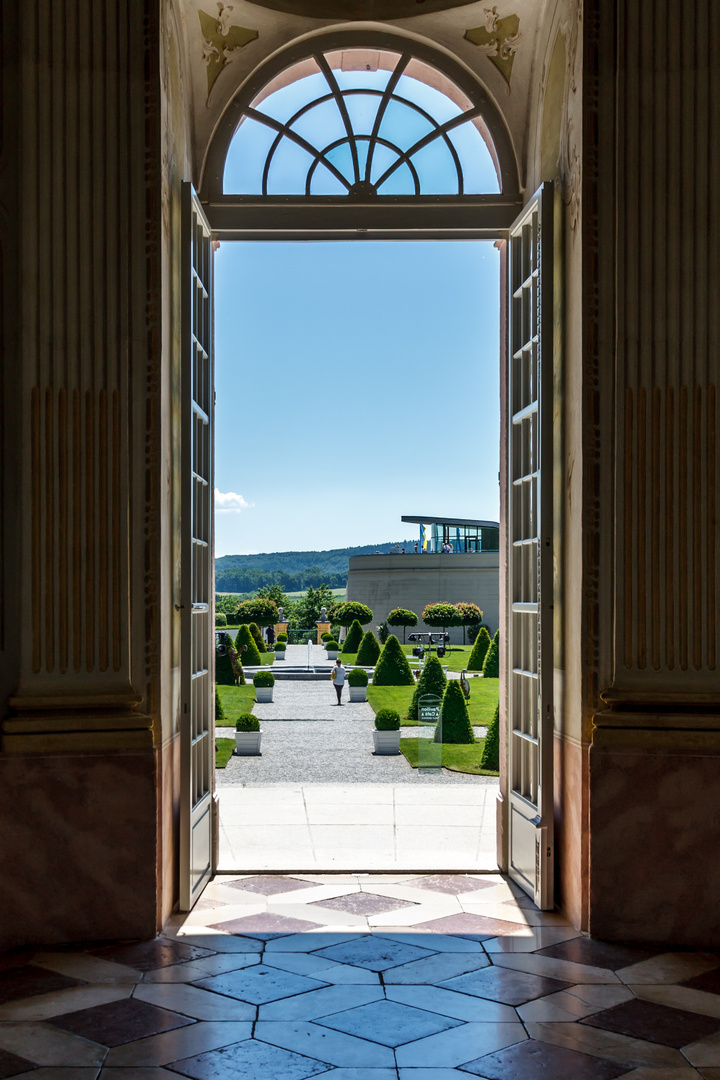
(436, 157)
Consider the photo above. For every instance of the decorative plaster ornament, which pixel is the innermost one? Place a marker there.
(498, 39)
(220, 39)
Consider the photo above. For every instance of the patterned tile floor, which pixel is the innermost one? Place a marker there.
(382, 976)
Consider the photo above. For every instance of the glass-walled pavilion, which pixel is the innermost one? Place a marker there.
(440, 535)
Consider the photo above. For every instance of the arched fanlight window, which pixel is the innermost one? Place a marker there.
(362, 123)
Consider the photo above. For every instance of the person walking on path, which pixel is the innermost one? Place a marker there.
(338, 678)
(270, 635)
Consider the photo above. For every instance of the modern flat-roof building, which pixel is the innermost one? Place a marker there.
(454, 559)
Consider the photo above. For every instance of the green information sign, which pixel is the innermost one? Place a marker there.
(430, 748)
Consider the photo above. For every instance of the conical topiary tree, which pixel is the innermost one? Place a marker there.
(224, 672)
(354, 637)
(392, 668)
(491, 750)
(219, 711)
(251, 655)
(369, 650)
(491, 665)
(431, 681)
(480, 648)
(455, 726)
(257, 636)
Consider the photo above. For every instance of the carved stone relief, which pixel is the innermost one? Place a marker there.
(498, 39)
(220, 38)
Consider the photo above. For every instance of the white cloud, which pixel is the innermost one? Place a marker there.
(229, 502)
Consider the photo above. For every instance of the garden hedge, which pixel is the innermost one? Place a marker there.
(491, 750)
(491, 664)
(255, 631)
(392, 668)
(251, 655)
(369, 650)
(479, 650)
(455, 726)
(431, 681)
(351, 643)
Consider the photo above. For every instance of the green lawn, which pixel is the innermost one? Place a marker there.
(481, 706)
(223, 752)
(236, 700)
(458, 758)
(456, 656)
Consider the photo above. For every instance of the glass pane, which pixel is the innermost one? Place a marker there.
(289, 169)
(326, 183)
(363, 148)
(362, 110)
(403, 126)
(440, 107)
(245, 160)
(383, 158)
(362, 80)
(321, 125)
(284, 103)
(478, 169)
(400, 182)
(436, 168)
(341, 157)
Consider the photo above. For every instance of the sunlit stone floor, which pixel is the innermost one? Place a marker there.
(376, 976)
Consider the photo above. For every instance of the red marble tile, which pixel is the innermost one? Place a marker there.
(451, 883)
(654, 1023)
(603, 954)
(360, 903)
(465, 924)
(266, 925)
(534, 1060)
(119, 1022)
(24, 982)
(151, 955)
(709, 982)
(504, 985)
(269, 885)
(12, 1065)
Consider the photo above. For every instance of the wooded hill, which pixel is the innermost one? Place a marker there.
(294, 570)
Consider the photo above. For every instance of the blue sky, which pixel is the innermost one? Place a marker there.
(355, 382)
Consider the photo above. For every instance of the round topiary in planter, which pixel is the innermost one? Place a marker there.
(326, 636)
(282, 636)
(247, 735)
(357, 681)
(263, 681)
(386, 736)
(332, 648)
(280, 650)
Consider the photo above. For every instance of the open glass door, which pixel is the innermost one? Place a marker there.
(530, 571)
(197, 736)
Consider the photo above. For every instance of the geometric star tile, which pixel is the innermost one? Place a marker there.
(362, 903)
(265, 925)
(268, 885)
(119, 1022)
(464, 923)
(24, 982)
(451, 883)
(374, 953)
(709, 982)
(654, 1023)
(12, 1065)
(151, 955)
(259, 984)
(502, 984)
(535, 1060)
(252, 1060)
(603, 954)
(388, 1022)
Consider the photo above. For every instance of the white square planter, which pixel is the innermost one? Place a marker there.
(332, 654)
(279, 654)
(358, 693)
(386, 742)
(264, 693)
(247, 742)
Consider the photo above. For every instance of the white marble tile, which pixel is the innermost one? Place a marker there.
(679, 997)
(603, 996)
(529, 939)
(309, 941)
(434, 942)
(606, 1044)
(194, 1002)
(361, 1074)
(93, 969)
(448, 1003)
(181, 1043)
(552, 968)
(435, 969)
(556, 1008)
(704, 1052)
(668, 968)
(459, 1045)
(320, 1003)
(59, 1002)
(343, 974)
(322, 1043)
(48, 1045)
(201, 969)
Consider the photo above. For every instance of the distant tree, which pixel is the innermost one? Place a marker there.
(219, 711)
(470, 615)
(491, 664)
(392, 668)
(383, 631)
(479, 650)
(455, 726)
(257, 636)
(276, 593)
(491, 751)
(402, 617)
(346, 613)
(369, 650)
(442, 615)
(306, 611)
(220, 618)
(353, 639)
(250, 654)
(261, 611)
(432, 681)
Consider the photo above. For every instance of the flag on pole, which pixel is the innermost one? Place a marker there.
(423, 538)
